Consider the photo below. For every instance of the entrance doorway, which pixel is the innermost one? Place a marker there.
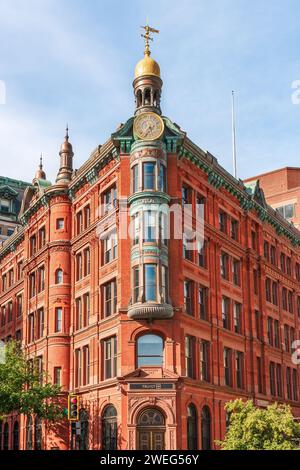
(151, 430)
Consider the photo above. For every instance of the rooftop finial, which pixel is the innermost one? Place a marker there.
(67, 133)
(41, 161)
(148, 38)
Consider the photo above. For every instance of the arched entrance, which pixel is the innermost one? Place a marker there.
(151, 430)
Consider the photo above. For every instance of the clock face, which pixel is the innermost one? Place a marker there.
(148, 126)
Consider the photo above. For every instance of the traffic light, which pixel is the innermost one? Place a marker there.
(73, 407)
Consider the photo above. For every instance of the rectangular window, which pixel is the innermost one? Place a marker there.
(110, 246)
(150, 282)
(270, 331)
(274, 293)
(86, 309)
(226, 313)
(185, 195)
(284, 298)
(136, 228)
(239, 360)
(190, 356)
(109, 200)
(149, 175)
(237, 317)
(110, 357)
(19, 270)
(223, 221)
(203, 302)
(282, 262)
(136, 284)
(86, 365)
(188, 297)
(228, 367)
(273, 255)
(60, 224)
(79, 222)
(86, 216)
(202, 254)
(288, 266)
(77, 368)
(57, 376)
(78, 267)
(266, 250)
(110, 298)
(224, 266)
(288, 384)
(41, 279)
(204, 358)
(287, 338)
(42, 237)
(276, 334)
(32, 287)
(236, 272)
(86, 262)
(295, 385)
(290, 302)
(234, 229)
(58, 320)
(279, 380)
(162, 178)
(40, 323)
(272, 379)
(9, 312)
(150, 225)
(268, 290)
(78, 304)
(19, 305)
(32, 245)
(164, 284)
(135, 178)
(31, 328)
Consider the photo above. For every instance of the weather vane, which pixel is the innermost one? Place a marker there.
(148, 38)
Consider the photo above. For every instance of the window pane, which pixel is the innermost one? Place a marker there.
(150, 350)
(150, 282)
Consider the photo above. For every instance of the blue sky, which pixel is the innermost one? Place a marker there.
(73, 61)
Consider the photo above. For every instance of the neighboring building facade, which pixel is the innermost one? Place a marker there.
(282, 191)
(153, 337)
(11, 195)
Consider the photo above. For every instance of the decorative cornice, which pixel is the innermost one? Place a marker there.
(219, 178)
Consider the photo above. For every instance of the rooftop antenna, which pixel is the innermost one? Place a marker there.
(233, 137)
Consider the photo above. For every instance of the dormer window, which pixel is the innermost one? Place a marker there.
(5, 205)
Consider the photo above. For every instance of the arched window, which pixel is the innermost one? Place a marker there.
(16, 436)
(147, 100)
(192, 427)
(29, 433)
(109, 428)
(59, 276)
(151, 417)
(6, 437)
(82, 442)
(206, 428)
(139, 98)
(150, 350)
(38, 434)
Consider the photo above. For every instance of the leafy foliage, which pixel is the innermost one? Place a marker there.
(252, 428)
(24, 389)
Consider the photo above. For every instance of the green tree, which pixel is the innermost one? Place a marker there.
(23, 388)
(252, 428)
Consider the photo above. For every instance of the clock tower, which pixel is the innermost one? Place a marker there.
(149, 199)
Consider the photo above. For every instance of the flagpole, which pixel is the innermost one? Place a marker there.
(233, 138)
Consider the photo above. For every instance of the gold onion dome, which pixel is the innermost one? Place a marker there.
(147, 66)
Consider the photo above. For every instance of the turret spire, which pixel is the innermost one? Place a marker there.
(66, 160)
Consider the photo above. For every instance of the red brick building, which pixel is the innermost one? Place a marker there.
(153, 337)
(282, 191)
